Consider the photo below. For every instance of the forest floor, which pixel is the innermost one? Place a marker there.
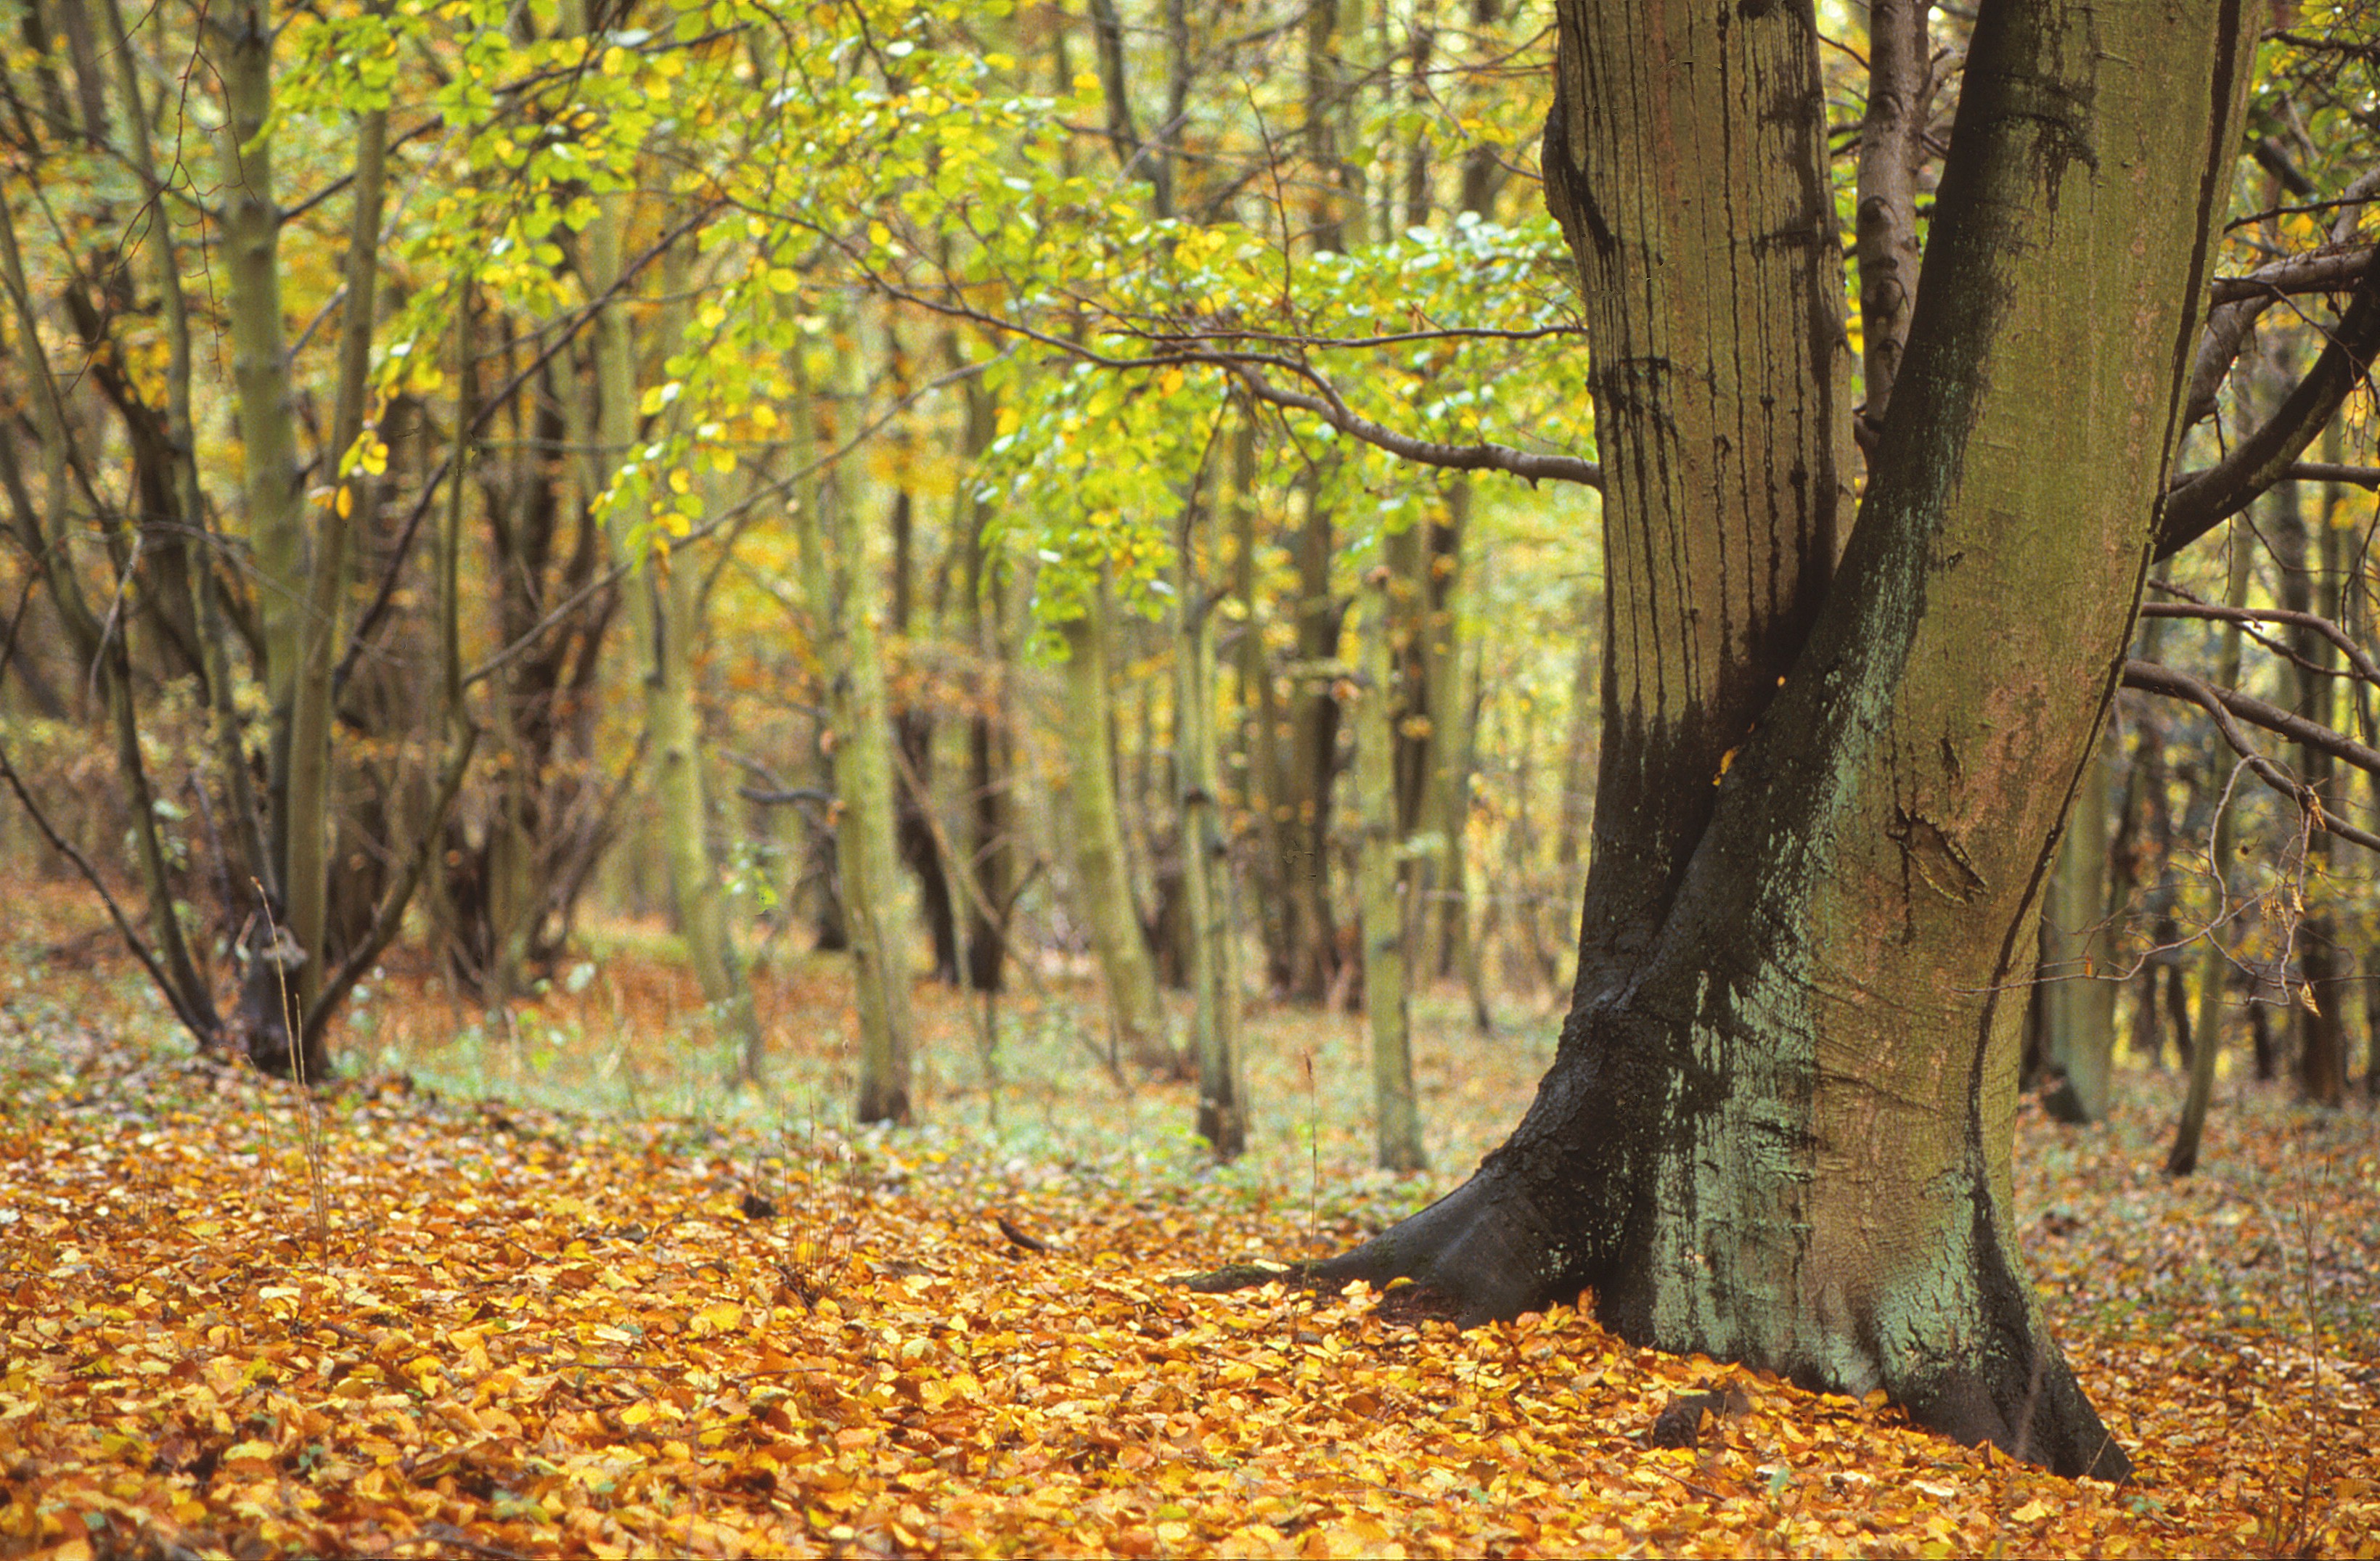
(538, 1286)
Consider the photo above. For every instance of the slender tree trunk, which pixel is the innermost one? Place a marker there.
(2214, 963)
(2308, 584)
(250, 221)
(1313, 764)
(2078, 999)
(1892, 140)
(990, 847)
(663, 601)
(1380, 893)
(860, 738)
(913, 731)
(1222, 1118)
(46, 543)
(1100, 863)
(306, 885)
(1260, 711)
(190, 512)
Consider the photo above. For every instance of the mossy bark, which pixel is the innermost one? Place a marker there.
(1779, 1126)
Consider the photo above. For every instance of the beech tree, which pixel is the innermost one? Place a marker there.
(1838, 749)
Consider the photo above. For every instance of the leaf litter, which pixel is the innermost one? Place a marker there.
(539, 1333)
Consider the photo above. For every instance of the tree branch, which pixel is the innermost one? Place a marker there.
(2365, 668)
(2203, 499)
(1185, 352)
(198, 1024)
(1528, 466)
(2224, 704)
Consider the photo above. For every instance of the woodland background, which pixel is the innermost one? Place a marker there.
(930, 563)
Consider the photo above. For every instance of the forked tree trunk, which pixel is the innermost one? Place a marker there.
(1778, 1129)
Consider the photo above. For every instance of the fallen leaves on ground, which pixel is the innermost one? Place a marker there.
(534, 1334)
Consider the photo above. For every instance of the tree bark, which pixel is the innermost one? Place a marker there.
(1892, 140)
(2077, 1010)
(2214, 961)
(1779, 1126)
(1260, 715)
(1381, 893)
(1222, 1116)
(308, 799)
(2308, 584)
(859, 735)
(1107, 902)
(1313, 763)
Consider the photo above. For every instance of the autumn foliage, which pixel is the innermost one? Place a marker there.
(479, 1327)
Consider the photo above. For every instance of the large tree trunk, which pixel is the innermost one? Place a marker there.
(1778, 1125)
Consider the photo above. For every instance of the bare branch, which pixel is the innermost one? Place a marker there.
(2365, 668)
(1187, 352)
(2199, 502)
(2326, 270)
(2324, 471)
(2224, 704)
(2240, 301)
(192, 1021)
